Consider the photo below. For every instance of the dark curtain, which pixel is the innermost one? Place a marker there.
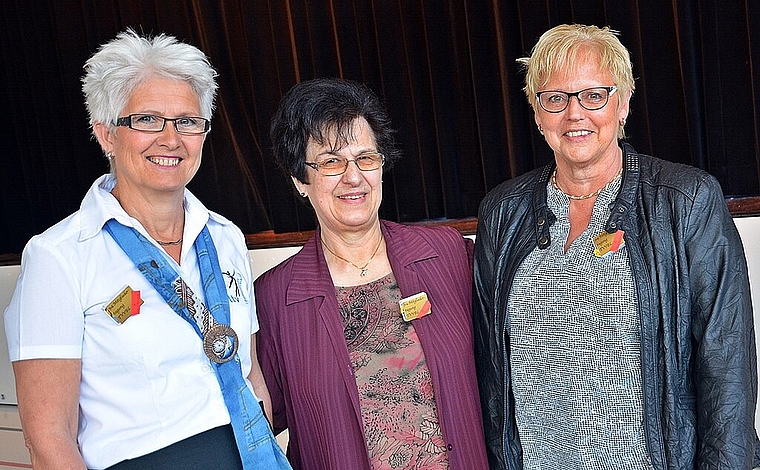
(445, 68)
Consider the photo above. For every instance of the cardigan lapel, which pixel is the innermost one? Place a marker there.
(311, 282)
(311, 285)
(405, 248)
(310, 276)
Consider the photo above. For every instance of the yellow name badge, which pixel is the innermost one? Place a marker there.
(607, 243)
(124, 305)
(415, 306)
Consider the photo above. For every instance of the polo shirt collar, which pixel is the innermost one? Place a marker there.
(99, 206)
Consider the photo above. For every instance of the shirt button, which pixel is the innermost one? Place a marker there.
(540, 221)
(449, 447)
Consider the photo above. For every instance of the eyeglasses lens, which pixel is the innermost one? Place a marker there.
(590, 98)
(337, 166)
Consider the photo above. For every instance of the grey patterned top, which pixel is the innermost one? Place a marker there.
(575, 351)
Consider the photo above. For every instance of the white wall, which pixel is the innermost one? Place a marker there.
(8, 275)
(749, 229)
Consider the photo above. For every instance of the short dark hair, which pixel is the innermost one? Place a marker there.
(318, 108)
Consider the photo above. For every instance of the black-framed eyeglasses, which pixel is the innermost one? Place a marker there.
(555, 101)
(189, 125)
(334, 165)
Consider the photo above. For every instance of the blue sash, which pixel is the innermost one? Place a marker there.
(258, 448)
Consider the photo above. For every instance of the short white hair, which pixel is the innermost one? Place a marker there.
(122, 64)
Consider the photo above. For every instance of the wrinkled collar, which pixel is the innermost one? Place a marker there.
(627, 195)
(99, 206)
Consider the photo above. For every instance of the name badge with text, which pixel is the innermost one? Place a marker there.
(124, 305)
(607, 243)
(415, 306)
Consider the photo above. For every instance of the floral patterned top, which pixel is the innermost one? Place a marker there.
(396, 394)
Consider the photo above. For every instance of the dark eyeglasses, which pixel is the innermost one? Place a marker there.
(555, 101)
(189, 125)
(334, 166)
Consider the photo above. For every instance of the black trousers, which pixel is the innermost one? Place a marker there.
(214, 449)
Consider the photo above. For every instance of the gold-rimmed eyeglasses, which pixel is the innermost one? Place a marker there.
(334, 165)
(555, 101)
(189, 125)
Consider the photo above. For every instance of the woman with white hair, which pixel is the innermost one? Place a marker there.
(132, 327)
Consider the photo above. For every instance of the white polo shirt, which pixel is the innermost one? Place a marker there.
(146, 383)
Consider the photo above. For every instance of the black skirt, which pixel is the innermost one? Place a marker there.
(214, 449)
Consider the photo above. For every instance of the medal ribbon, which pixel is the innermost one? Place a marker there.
(257, 446)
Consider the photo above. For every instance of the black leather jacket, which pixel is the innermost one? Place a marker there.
(697, 340)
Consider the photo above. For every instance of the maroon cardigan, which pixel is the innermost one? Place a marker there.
(305, 360)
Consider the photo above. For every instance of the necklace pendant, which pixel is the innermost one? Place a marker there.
(364, 272)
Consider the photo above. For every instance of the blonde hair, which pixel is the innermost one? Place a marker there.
(558, 48)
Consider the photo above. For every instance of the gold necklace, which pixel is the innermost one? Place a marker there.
(363, 269)
(174, 243)
(585, 196)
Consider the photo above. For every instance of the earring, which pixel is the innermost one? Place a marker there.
(109, 155)
(540, 129)
(622, 122)
(302, 194)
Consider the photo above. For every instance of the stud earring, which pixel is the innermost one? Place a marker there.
(540, 129)
(622, 122)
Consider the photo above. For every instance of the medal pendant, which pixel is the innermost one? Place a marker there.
(215, 341)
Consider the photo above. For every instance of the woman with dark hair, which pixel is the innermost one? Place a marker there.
(366, 333)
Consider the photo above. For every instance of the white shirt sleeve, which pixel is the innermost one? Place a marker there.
(45, 318)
